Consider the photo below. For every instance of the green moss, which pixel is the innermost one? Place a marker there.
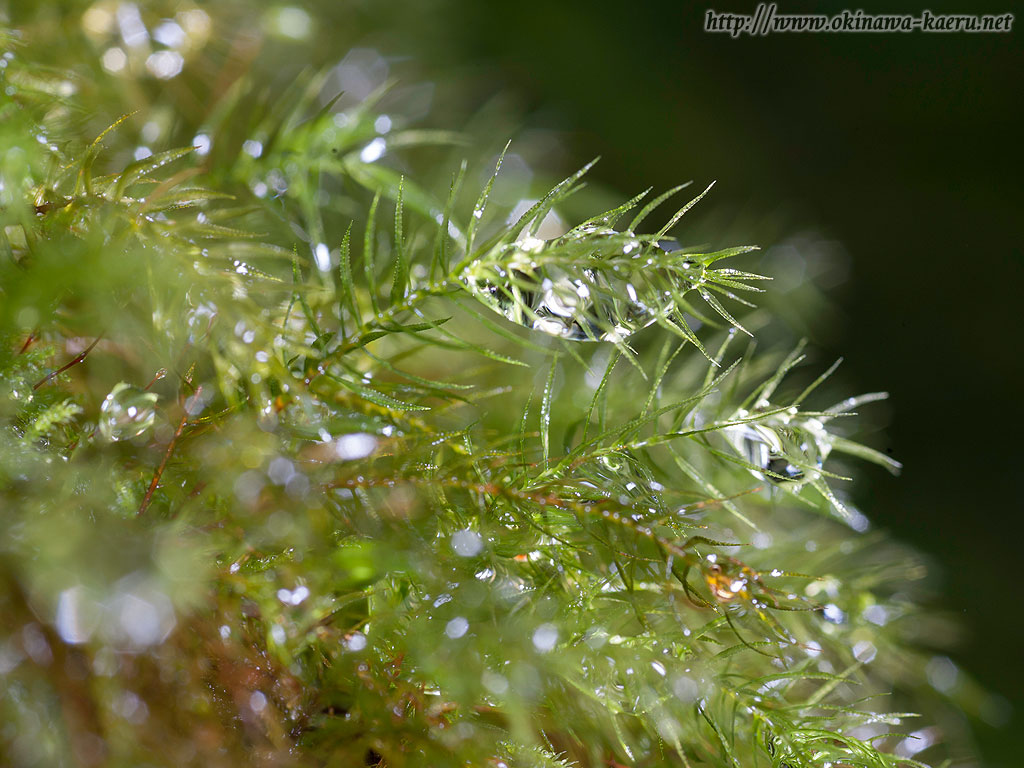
(291, 472)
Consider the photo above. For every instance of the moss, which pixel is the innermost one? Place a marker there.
(310, 459)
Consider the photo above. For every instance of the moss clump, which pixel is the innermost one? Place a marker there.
(283, 484)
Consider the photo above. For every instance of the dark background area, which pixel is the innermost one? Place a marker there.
(905, 148)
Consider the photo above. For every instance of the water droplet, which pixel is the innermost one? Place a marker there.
(876, 614)
(373, 151)
(685, 688)
(252, 147)
(34, 642)
(129, 20)
(199, 320)
(140, 614)
(281, 470)
(834, 614)
(467, 543)
(494, 682)
(257, 702)
(942, 673)
(456, 628)
(864, 651)
(77, 615)
(289, 21)
(201, 142)
(322, 254)
(581, 304)
(356, 641)
(165, 64)
(293, 596)
(545, 637)
(127, 412)
(788, 447)
(171, 34)
(358, 445)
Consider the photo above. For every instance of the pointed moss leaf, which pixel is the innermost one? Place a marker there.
(400, 284)
(545, 410)
(440, 261)
(347, 299)
(610, 218)
(380, 330)
(375, 397)
(817, 382)
(652, 205)
(481, 203)
(138, 170)
(717, 306)
(681, 212)
(843, 445)
(536, 213)
(183, 198)
(370, 252)
(84, 181)
(380, 179)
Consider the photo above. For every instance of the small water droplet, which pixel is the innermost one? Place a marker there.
(356, 641)
(834, 614)
(127, 412)
(864, 651)
(456, 628)
(373, 151)
(545, 637)
(355, 446)
(252, 148)
(257, 702)
(876, 614)
(467, 543)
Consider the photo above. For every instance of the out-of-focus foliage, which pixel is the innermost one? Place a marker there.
(291, 472)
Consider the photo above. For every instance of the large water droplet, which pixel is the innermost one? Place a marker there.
(790, 448)
(127, 412)
(582, 304)
(199, 320)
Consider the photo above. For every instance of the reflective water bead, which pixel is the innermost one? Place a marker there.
(581, 305)
(787, 449)
(126, 412)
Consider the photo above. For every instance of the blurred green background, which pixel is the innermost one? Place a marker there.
(884, 167)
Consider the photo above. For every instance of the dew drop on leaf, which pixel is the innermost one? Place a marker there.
(789, 449)
(579, 303)
(126, 412)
